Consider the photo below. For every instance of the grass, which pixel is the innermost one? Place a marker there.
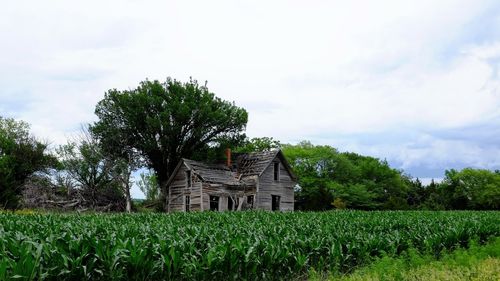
(478, 263)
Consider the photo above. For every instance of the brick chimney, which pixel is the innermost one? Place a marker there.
(228, 157)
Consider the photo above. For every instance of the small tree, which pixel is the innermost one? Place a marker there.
(122, 172)
(149, 186)
(126, 160)
(91, 170)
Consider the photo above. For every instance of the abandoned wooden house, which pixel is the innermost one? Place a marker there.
(260, 180)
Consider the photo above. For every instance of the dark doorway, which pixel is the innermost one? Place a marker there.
(229, 204)
(275, 202)
(214, 203)
(250, 201)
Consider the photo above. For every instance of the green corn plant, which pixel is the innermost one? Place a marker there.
(228, 246)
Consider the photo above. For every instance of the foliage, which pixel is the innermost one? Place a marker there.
(89, 169)
(258, 144)
(148, 184)
(165, 121)
(126, 159)
(222, 246)
(479, 262)
(357, 196)
(314, 166)
(472, 189)
(367, 183)
(21, 157)
(361, 182)
(339, 204)
(468, 189)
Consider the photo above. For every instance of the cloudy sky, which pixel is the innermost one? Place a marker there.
(414, 82)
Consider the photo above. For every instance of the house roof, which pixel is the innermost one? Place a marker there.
(216, 173)
(255, 163)
(248, 164)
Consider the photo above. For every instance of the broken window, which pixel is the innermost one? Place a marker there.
(187, 203)
(275, 202)
(214, 203)
(189, 178)
(276, 171)
(250, 201)
(229, 203)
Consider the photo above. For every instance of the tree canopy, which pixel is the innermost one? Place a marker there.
(93, 172)
(332, 179)
(257, 144)
(471, 189)
(165, 121)
(21, 156)
(348, 179)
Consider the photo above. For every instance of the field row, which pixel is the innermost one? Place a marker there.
(239, 245)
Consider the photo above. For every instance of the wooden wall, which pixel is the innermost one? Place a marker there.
(223, 192)
(178, 191)
(267, 187)
(200, 191)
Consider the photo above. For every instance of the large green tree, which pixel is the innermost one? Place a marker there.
(471, 189)
(21, 157)
(322, 173)
(165, 121)
(356, 181)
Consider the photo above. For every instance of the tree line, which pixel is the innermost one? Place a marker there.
(156, 124)
(331, 179)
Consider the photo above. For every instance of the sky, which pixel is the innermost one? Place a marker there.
(414, 82)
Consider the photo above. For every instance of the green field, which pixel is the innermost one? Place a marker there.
(477, 263)
(221, 246)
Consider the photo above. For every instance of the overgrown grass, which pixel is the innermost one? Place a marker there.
(479, 262)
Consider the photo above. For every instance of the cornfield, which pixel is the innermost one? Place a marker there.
(222, 246)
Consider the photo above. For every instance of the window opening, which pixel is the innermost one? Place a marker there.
(276, 202)
(250, 201)
(214, 203)
(276, 171)
(189, 178)
(187, 203)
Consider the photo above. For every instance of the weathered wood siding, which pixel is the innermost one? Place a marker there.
(223, 192)
(221, 182)
(178, 191)
(196, 195)
(211, 189)
(267, 187)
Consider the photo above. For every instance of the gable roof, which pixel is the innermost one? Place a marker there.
(248, 164)
(256, 163)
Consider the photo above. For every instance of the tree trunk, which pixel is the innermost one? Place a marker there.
(128, 206)
(164, 194)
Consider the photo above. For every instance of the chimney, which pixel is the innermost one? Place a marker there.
(228, 157)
